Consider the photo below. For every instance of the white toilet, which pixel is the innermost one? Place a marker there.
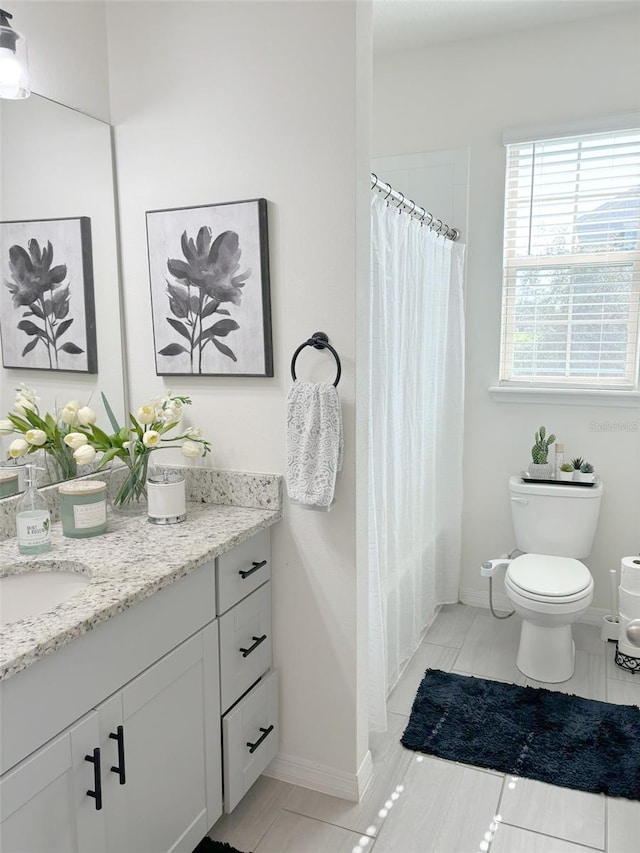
(549, 588)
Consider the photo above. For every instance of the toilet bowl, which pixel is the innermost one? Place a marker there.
(549, 593)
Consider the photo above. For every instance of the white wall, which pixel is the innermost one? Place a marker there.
(67, 51)
(470, 92)
(222, 101)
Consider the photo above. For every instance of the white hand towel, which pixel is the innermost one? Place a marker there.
(315, 443)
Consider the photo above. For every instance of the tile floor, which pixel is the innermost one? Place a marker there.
(418, 803)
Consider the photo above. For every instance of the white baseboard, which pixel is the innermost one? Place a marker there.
(321, 778)
(480, 598)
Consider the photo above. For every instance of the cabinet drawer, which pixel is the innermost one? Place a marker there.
(244, 654)
(250, 736)
(241, 570)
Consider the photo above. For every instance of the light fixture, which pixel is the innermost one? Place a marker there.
(14, 71)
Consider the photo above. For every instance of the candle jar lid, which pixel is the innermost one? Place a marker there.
(82, 487)
(8, 476)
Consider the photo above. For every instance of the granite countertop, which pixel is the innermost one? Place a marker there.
(127, 564)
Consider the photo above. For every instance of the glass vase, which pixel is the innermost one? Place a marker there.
(131, 497)
(60, 463)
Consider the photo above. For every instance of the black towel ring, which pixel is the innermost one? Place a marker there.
(319, 340)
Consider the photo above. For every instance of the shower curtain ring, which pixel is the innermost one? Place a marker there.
(435, 227)
(399, 206)
(389, 193)
(374, 179)
(410, 212)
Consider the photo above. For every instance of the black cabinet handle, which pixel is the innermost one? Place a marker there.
(265, 734)
(253, 647)
(119, 768)
(97, 778)
(254, 568)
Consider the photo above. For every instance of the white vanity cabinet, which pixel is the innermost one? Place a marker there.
(135, 774)
(43, 801)
(160, 752)
(129, 717)
(248, 687)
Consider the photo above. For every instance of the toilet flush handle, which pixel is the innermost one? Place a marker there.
(520, 500)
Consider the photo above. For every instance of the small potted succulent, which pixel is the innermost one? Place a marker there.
(540, 467)
(586, 473)
(566, 472)
(577, 463)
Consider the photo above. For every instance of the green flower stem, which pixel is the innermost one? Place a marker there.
(64, 465)
(134, 488)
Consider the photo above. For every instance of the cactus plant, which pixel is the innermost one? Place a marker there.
(567, 467)
(577, 463)
(540, 449)
(586, 468)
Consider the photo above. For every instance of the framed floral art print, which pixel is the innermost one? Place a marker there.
(210, 297)
(47, 309)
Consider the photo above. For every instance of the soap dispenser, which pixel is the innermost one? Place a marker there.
(33, 519)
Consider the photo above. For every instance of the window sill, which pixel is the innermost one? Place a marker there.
(565, 396)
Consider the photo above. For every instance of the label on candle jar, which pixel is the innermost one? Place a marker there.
(90, 515)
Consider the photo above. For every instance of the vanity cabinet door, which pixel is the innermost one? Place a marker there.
(245, 645)
(242, 570)
(250, 735)
(171, 733)
(44, 804)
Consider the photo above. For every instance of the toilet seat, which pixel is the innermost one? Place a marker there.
(550, 579)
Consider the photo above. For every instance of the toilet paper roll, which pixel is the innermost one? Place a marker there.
(630, 573)
(629, 603)
(623, 621)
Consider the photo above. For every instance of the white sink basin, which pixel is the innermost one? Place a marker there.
(36, 590)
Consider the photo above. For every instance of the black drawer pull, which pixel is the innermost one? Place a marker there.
(254, 568)
(119, 769)
(252, 648)
(97, 778)
(265, 734)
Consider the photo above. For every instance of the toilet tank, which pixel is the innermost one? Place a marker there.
(554, 518)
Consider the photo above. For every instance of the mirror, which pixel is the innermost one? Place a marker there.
(56, 164)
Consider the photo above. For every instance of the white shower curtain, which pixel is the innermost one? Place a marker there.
(416, 375)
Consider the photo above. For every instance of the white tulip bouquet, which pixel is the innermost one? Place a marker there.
(134, 444)
(49, 433)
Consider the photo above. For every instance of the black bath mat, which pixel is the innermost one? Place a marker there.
(526, 731)
(207, 845)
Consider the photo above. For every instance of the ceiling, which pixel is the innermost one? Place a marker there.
(410, 24)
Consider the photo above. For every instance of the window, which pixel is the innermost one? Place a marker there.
(571, 286)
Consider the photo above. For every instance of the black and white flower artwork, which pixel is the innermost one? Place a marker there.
(209, 275)
(47, 311)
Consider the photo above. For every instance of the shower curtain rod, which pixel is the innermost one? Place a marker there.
(410, 207)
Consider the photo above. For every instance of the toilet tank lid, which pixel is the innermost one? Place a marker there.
(557, 490)
(548, 575)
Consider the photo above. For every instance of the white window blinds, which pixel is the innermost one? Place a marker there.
(571, 288)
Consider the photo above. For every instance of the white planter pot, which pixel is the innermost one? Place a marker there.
(566, 476)
(584, 478)
(541, 472)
